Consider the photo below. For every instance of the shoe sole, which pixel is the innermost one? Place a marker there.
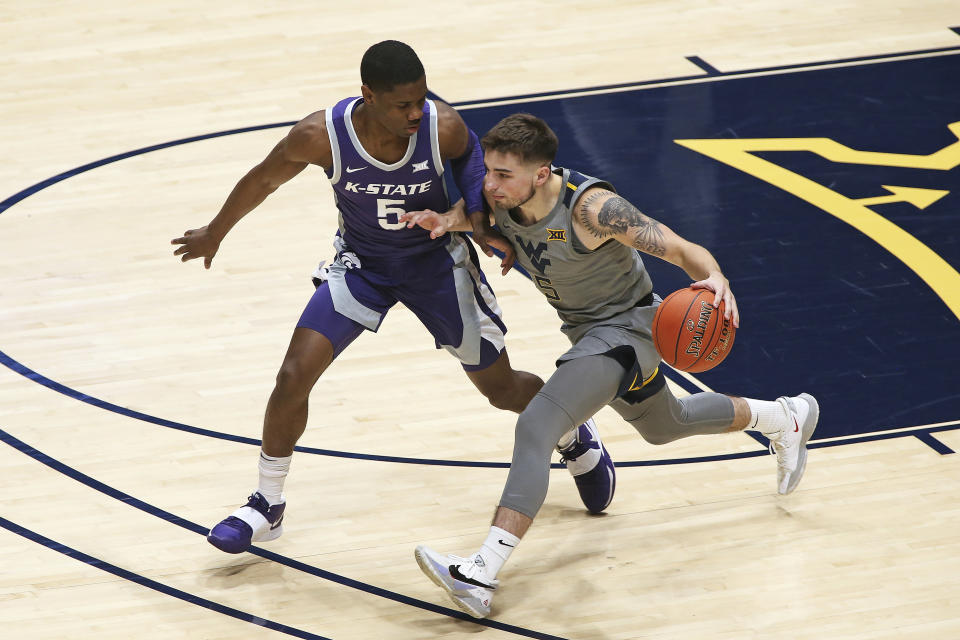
(220, 545)
(809, 425)
(270, 534)
(431, 572)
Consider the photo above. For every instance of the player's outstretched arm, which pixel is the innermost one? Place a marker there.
(304, 144)
(462, 147)
(601, 215)
(438, 223)
(456, 220)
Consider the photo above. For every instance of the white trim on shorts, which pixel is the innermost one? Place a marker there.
(477, 325)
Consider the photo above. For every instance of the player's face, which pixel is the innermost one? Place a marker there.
(399, 110)
(509, 182)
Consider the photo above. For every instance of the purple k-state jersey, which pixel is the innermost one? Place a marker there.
(371, 194)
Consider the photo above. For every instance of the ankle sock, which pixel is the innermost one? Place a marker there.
(273, 471)
(495, 550)
(767, 416)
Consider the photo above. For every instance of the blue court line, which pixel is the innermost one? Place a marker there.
(29, 191)
(30, 374)
(928, 439)
(127, 499)
(26, 372)
(165, 589)
(956, 30)
(706, 66)
(720, 74)
(760, 438)
(40, 379)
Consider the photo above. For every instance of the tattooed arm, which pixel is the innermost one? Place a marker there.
(600, 215)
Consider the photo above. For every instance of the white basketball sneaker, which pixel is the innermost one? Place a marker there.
(801, 414)
(463, 580)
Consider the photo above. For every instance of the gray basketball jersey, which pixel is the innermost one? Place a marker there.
(583, 286)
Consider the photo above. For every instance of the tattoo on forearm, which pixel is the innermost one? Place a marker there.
(617, 216)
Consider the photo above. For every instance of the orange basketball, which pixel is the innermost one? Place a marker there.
(690, 334)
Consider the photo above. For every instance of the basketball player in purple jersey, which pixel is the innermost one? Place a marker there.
(384, 153)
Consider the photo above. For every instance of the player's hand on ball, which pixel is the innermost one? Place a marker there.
(717, 283)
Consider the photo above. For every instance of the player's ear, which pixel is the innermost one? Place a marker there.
(367, 94)
(543, 173)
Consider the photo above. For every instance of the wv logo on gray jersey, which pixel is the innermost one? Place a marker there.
(534, 253)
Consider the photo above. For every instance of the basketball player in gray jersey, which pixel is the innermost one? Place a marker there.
(579, 241)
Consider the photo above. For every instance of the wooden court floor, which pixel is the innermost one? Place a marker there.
(133, 386)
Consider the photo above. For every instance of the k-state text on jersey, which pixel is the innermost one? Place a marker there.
(388, 189)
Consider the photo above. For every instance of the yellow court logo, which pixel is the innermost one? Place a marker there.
(921, 259)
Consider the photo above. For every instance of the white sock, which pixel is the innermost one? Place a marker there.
(495, 550)
(767, 417)
(273, 471)
(568, 438)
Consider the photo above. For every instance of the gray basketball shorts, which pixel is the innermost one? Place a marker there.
(643, 398)
(626, 338)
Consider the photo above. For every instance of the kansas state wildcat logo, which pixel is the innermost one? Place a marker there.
(534, 253)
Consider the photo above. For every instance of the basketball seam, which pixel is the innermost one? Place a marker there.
(676, 347)
(655, 331)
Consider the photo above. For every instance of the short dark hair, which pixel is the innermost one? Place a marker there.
(525, 135)
(388, 64)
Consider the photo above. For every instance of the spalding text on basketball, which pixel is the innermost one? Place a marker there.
(706, 310)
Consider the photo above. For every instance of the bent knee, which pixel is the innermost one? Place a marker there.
(655, 437)
(540, 426)
(526, 427)
(533, 436)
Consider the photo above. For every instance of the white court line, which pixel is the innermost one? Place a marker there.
(689, 377)
(733, 75)
(884, 431)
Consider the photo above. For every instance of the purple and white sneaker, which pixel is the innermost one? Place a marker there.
(256, 521)
(592, 469)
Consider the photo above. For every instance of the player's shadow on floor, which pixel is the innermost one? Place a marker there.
(223, 577)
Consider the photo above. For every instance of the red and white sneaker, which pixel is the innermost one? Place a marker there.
(801, 414)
